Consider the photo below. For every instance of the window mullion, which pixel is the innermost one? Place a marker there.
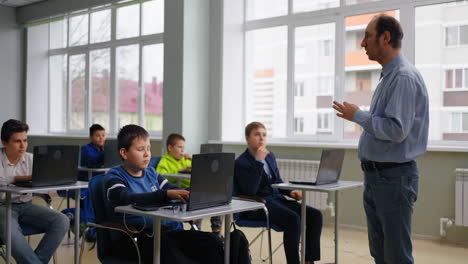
(290, 81)
(113, 91)
(339, 81)
(141, 98)
(89, 93)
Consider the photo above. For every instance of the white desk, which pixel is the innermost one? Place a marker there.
(177, 176)
(328, 188)
(9, 189)
(91, 170)
(236, 206)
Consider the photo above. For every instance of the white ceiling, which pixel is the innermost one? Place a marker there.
(18, 3)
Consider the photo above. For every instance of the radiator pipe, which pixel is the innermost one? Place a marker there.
(444, 224)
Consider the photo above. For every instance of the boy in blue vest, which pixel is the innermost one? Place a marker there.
(134, 182)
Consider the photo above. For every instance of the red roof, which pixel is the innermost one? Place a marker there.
(128, 97)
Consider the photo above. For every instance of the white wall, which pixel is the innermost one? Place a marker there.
(11, 66)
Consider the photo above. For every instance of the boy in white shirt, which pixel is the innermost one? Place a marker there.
(16, 165)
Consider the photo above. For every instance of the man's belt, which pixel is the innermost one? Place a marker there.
(368, 165)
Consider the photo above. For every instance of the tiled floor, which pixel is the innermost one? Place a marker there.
(353, 249)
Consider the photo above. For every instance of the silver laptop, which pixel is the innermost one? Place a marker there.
(211, 148)
(329, 169)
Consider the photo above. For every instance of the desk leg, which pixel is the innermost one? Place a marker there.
(227, 237)
(68, 206)
(303, 226)
(156, 240)
(77, 225)
(8, 227)
(336, 226)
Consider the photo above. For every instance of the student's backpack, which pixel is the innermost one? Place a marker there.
(239, 251)
(86, 215)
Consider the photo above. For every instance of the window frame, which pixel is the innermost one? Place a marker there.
(407, 13)
(141, 40)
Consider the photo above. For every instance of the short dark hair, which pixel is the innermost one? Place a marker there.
(94, 128)
(173, 138)
(128, 133)
(388, 23)
(13, 126)
(252, 126)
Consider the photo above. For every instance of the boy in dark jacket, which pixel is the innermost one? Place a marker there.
(255, 172)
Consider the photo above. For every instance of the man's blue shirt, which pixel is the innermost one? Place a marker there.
(396, 127)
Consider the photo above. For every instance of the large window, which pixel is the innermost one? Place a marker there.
(443, 65)
(266, 71)
(301, 55)
(316, 73)
(106, 66)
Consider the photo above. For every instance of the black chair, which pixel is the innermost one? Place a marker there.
(104, 226)
(263, 224)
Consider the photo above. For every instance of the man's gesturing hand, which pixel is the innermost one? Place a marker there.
(345, 110)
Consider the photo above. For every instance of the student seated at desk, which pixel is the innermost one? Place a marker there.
(254, 172)
(16, 164)
(176, 161)
(92, 154)
(134, 182)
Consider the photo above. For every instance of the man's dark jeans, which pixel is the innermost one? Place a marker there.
(389, 196)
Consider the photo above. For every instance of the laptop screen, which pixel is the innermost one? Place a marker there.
(111, 154)
(211, 148)
(211, 180)
(55, 165)
(330, 166)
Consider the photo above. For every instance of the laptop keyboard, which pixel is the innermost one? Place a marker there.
(23, 184)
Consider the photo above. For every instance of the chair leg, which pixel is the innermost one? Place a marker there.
(256, 237)
(269, 233)
(273, 253)
(261, 243)
(82, 244)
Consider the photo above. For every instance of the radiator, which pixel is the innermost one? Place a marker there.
(293, 169)
(461, 197)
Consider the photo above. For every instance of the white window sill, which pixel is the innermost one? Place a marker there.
(460, 147)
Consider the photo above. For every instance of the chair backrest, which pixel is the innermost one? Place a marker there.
(154, 161)
(97, 194)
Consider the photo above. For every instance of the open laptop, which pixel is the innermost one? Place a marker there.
(211, 182)
(329, 169)
(211, 148)
(53, 165)
(111, 154)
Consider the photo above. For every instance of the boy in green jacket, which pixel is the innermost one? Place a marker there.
(175, 160)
